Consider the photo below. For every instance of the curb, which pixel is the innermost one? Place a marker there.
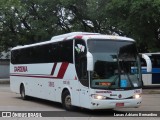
(4, 81)
(151, 92)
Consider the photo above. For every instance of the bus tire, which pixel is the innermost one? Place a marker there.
(22, 92)
(66, 100)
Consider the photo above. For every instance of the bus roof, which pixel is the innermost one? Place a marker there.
(82, 35)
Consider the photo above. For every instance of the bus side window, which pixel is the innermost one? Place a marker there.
(81, 62)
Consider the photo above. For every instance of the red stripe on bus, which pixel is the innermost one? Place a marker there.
(62, 70)
(53, 69)
(51, 77)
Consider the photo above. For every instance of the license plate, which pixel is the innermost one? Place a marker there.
(119, 104)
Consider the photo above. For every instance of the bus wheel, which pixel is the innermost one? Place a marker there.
(66, 100)
(22, 92)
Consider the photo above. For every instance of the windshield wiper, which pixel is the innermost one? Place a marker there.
(124, 72)
(129, 79)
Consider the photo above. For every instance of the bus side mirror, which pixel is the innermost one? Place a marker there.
(148, 62)
(89, 61)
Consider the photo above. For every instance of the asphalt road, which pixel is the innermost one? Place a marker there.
(12, 102)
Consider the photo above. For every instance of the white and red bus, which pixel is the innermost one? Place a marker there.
(88, 70)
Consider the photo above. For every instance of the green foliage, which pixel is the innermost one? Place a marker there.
(29, 21)
(139, 20)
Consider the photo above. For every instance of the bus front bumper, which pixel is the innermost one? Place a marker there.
(111, 104)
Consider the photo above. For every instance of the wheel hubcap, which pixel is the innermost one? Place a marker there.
(68, 101)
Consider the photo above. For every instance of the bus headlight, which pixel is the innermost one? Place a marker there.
(137, 96)
(99, 97)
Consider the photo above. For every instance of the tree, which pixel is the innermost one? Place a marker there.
(88, 15)
(29, 21)
(139, 20)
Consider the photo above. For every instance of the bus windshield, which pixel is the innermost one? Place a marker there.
(116, 64)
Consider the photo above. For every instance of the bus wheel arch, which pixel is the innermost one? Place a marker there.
(22, 92)
(66, 99)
